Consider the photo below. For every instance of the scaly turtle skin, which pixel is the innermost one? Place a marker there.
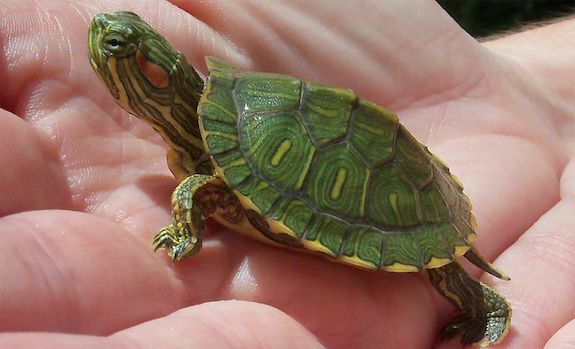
(298, 165)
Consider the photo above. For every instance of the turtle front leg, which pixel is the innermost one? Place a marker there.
(485, 315)
(190, 206)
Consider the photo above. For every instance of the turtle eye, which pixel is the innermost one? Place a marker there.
(114, 43)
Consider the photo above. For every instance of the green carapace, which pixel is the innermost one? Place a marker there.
(298, 165)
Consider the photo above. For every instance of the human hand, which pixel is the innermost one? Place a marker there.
(498, 116)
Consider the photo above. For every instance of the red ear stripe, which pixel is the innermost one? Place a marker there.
(153, 72)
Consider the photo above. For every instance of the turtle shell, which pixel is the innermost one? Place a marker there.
(336, 172)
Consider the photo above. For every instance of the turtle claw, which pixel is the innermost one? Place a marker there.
(485, 315)
(183, 238)
(467, 329)
(475, 330)
(179, 245)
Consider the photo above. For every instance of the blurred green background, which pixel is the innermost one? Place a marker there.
(487, 17)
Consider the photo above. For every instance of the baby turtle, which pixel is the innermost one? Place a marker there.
(298, 165)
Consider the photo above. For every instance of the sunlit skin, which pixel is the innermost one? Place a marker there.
(500, 114)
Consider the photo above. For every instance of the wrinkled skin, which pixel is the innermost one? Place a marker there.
(84, 187)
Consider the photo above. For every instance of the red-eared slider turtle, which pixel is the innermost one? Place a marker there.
(298, 165)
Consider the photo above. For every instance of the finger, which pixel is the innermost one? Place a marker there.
(31, 177)
(41, 55)
(226, 324)
(72, 272)
(542, 273)
(366, 46)
(556, 69)
(217, 324)
(564, 338)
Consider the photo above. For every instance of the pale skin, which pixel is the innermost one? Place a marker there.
(84, 187)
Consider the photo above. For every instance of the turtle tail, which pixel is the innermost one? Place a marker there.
(476, 258)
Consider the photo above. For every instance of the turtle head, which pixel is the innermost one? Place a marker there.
(148, 78)
(127, 53)
(136, 63)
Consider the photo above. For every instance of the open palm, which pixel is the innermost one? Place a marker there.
(84, 186)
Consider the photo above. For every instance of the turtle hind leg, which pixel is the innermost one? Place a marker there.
(183, 237)
(485, 315)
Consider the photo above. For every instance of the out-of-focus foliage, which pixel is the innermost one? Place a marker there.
(487, 17)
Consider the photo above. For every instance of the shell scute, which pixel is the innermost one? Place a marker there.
(337, 182)
(217, 100)
(433, 207)
(369, 246)
(277, 147)
(372, 132)
(261, 194)
(267, 93)
(220, 137)
(297, 216)
(234, 167)
(330, 232)
(293, 213)
(400, 248)
(392, 202)
(431, 243)
(412, 160)
(326, 112)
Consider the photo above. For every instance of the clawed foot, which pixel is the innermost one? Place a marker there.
(468, 330)
(183, 238)
(485, 314)
(179, 245)
(482, 332)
